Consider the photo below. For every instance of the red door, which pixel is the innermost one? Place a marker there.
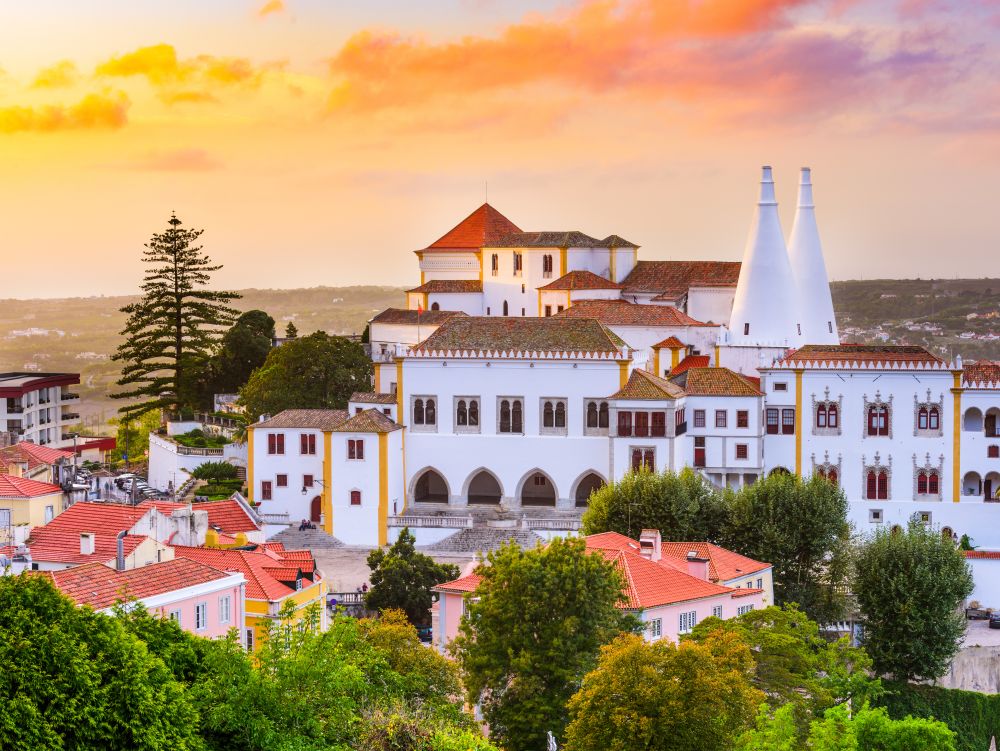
(699, 457)
(316, 509)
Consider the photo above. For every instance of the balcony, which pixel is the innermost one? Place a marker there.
(15, 409)
(69, 397)
(70, 416)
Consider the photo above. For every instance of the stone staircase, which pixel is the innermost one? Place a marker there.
(311, 539)
(483, 539)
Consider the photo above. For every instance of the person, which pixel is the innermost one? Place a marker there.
(364, 587)
(303, 525)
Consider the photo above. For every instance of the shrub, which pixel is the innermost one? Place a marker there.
(215, 471)
(974, 717)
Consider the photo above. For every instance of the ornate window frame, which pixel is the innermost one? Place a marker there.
(554, 429)
(926, 468)
(826, 465)
(878, 401)
(928, 405)
(468, 401)
(826, 401)
(877, 467)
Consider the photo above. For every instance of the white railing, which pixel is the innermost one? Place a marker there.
(413, 521)
(569, 525)
(284, 518)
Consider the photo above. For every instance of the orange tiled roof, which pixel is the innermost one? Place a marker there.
(671, 279)
(580, 280)
(560, 239)
(253, 564)
(982, 373)
(100, 586)
(481, 228)
(414, 317)
(643, 385)
(63, 546)
(369, 421)
(624, 313)
(723, 564)
(860, 354)
(671, 342)
(227, 515)
(370, 397)
(612, 541)
(464, 286)
(648, 585)
(21, 487)
(33, 454)
(106, 518)
(466, 583)
(715, 382)
(315, 419)
(992, 555)
(517, 334)
(691, 361)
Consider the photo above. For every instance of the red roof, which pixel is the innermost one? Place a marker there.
(21, 487)
(257, 566)
(466, 583)
(647, 584)
(63, 546)
(101, 586)
(691, 361)
(671, 279)
(228, 515)
(982, 373)
(860, 354)
(459, 286)
(993, 555)
(624, 313)
(580, 280)
(106, 518)
(723, 564)
(33, 454)
(671, 342)
(715, 382)
(481, 228)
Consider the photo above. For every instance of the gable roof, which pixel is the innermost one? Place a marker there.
(690, 361)
(671, 342)
(438, 286)
(368, 421)
(715, 382)
(101, 586)
(624, 313)
(481, 228)
(671, 279)
(860, 354)
(523, 335)
(580, 280)
(643, 385)
(371, 397)
(227, 515)
(723, 564)
(315, 419)
(63, 545)
(467, 583)
(253, 564)
(12, 486)
(88, 516)
(559, 239)
(415, 317)
(33, 454)
(982, 373)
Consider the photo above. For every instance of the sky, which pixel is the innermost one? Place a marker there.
(320, 142)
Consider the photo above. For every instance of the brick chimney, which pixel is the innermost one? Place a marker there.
(87, 540)
(649, 544)
(697, 566)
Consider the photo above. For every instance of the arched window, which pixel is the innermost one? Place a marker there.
(430, 413)
(878, 420)
(821, 415)
(922, 419)
(474, 413)
(871, 490)
(883, 485)
(462, 413)
(516, 417)
(355, 497)
(821, 473)
(495, 264)
(505, 308)
(831, 416)
(435, 306)
(933, 484)
(603, 421)
(922, 483)
(591, 414)
(418, 412)
(548, 416)
(934, 421)
(832, 476)
(560, 415)
(504, 416)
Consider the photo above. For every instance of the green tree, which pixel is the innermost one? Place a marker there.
(291, 332)
(403, 579)
(312, 372)
(683, 506)
(75, 679)
(659, 695)
(174, 326)
(532, 631)
(800, 527)
(242, 349)
(215, 471)
(909, 586)
(132, 433)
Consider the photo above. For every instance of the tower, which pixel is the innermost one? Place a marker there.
(765, 309)
(819, 325)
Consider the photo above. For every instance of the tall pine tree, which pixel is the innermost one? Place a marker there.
(175, 325)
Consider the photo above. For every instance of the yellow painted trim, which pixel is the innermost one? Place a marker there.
(378, 372)
(569, 303)
(717, 356)
(250, 488)
(675, 357)
(383, 489)
(422, 279)
(798, 421)
(539, 303)
(656, 361)
(563, 262)
(426, 304)
(399, 391)
(611, 264)
(622, 373)
(479, 255)
(327, 500)
(956, 447)
(402, 444)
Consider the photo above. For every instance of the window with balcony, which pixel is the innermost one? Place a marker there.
(624, 423)
(510, 415)
(771, 421)
(642, 424)
(658, 426)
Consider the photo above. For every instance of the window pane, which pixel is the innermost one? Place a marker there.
(474, 413)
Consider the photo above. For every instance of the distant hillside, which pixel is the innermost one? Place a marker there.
(948, 316)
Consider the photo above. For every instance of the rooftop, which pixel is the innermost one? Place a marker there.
(624, 313)
(643, 385)
(21, 487)
(982, 373)
(414, 317)
(316, 419)
(671, 279)
(671, 342)
(370, 397)
(32, 453)
(715, 382)
(19, 384)
(553, 335)
(723, 564)
(559, 239)
(580, 280)
(464, 286)
(266, 570)
(368, 421)
(691, 361)
(227, 515)
(482, 227)
(860, 354)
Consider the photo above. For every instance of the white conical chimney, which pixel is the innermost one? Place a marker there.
(809, 271)
(765, 309)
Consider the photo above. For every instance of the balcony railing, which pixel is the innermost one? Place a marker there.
(14, 409)
(71, 416)
(414, 521)
(69, 397)
(566, 525)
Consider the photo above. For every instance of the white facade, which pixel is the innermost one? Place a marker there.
(39, 407)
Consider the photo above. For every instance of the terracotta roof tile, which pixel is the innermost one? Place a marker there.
(992, 555)
(624, 313)
(438, 286)
(481, 228)
(316, 419)
(253, 564)
(87, 516)
(466, 583)
(648, 585)
(33, 454)
(426, 318)
(21, 487)
(690, 361)
(671, 279)
(715, 382)
(723, 564)
(560, 239)
(643, 385)
(982, 373)
(860, 354)
(369, 421)
(370, 397)
(515, 334)
(580, 280)
(63, 546)
(226, 515)
(671, 342)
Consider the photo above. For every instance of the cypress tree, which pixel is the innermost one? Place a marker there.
(175, 325)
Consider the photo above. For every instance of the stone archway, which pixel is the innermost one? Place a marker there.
(484, 488)
(586, 486)
(537, 489)
(430, 487)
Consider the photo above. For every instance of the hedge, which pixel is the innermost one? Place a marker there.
(974, 717)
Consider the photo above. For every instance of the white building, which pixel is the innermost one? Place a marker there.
(38, 407)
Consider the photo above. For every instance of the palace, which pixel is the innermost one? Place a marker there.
(530, 368)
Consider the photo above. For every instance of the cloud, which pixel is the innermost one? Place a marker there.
(60, 75)
(160, 65)
(177, 160)
(271, 7)
(107, 111)
(188, 97)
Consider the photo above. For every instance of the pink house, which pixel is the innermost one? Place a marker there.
(668, 593)
(203, 600)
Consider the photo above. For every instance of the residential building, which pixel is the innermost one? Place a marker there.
(26, 504)
(39, 407)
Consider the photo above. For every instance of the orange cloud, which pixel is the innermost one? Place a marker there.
(160, 65)
(60, 75)
(274, 6)
(93, 112)
(177, 160)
